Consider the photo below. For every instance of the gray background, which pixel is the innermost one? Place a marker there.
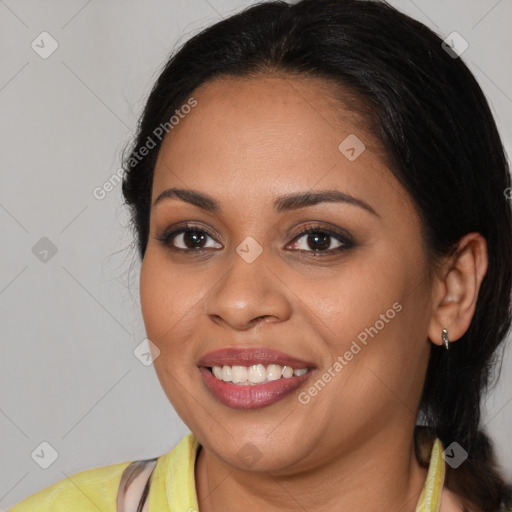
(69, 325)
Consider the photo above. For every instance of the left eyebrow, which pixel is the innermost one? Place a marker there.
(304, 199)
(282, 203)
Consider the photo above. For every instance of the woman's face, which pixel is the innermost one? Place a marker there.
(352, 302)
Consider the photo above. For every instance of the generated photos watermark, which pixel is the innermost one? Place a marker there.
(342, 360)
(142, 151)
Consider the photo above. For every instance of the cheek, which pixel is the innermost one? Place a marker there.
(374, 315)
(160, 303)
(172, 302)
(151, 297)
(385, 353)
(168, 317)
(362, 296)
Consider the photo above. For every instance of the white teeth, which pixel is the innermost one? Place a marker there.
(287, 372)
(239, 374)
(226, 374)
(274, 372)
(255, 374)
(217, 371)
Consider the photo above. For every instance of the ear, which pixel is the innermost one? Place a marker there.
(455, 289)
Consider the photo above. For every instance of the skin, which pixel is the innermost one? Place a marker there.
(351, 447)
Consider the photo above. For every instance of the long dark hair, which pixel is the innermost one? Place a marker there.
(432, 118)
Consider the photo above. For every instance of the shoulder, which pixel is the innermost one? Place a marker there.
(97, 488)
(90, 490)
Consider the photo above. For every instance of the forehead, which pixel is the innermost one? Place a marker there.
(274, 103)
(267, 134)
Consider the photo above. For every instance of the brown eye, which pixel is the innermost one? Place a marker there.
(319, 240)
(189, 237)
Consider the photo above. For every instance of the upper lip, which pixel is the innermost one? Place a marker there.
(250, 356)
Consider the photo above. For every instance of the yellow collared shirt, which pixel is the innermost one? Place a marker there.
(172, 485)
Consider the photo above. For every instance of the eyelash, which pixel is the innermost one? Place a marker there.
(346, 242)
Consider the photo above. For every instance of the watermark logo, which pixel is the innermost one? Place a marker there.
(100, 192)
(249, 454)
(305, 397)
(109, 185)
(454, 45)
(455, 455)
(44, 250)
(44, 45)
(352, 147)
(44, 455)
(146, 352)
(161, 131)
(249, 249)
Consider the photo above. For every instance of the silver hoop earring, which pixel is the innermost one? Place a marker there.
(446, 340)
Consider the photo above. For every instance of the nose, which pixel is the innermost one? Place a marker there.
(248, 295)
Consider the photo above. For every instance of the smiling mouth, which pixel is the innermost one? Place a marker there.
(255, 374)
(241, 392)
(253, 377)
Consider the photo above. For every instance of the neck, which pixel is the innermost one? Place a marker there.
(381, 474)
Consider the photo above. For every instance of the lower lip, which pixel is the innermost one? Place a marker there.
(252, 396)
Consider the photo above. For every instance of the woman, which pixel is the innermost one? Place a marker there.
(319, 197)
